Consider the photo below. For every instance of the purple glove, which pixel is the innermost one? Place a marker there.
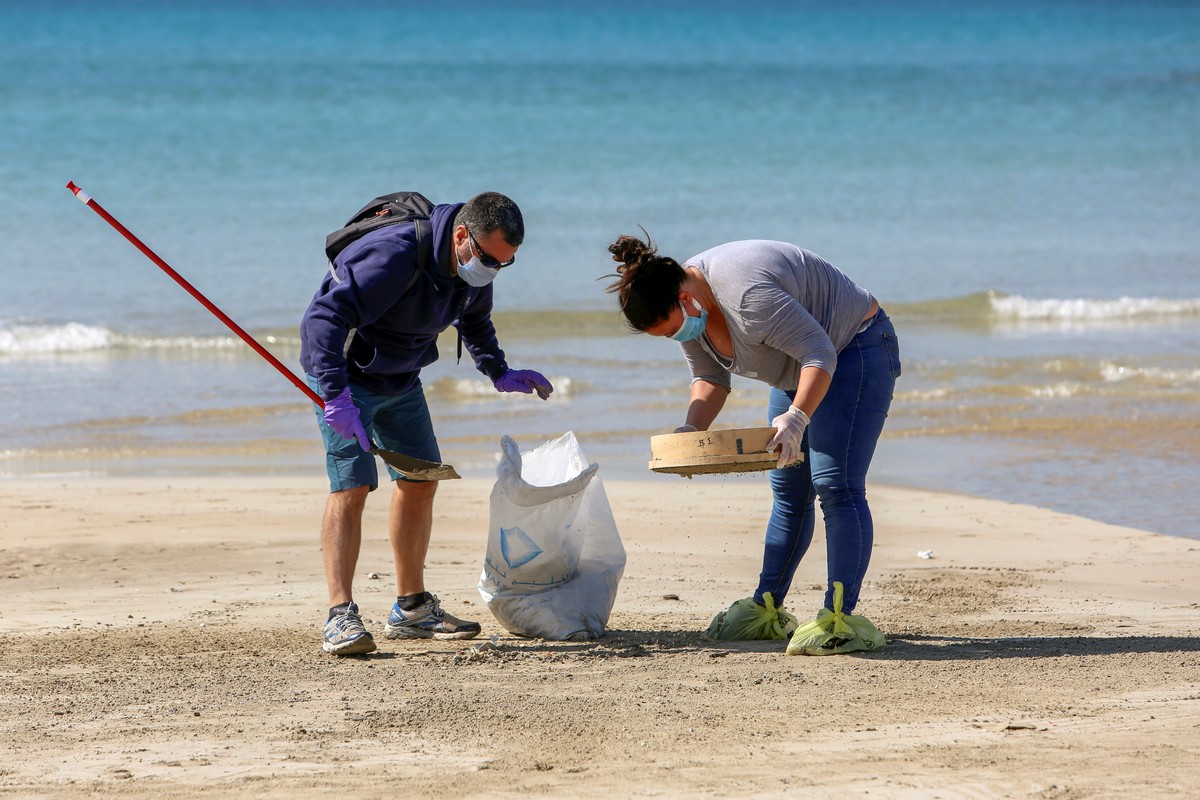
(342, 415)
(524, 380)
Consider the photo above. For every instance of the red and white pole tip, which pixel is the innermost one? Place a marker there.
(83, 196)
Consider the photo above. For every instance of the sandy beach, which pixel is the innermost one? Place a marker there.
(160, 639)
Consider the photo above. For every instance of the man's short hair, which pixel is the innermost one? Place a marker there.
(492, 211)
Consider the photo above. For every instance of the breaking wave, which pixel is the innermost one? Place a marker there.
(20, 338)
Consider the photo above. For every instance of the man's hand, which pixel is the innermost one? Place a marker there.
(342, 415)
(524, 380)
(789, 437)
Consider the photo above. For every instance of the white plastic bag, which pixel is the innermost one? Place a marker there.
(554, 557)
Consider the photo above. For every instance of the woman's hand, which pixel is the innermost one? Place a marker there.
(789, 437)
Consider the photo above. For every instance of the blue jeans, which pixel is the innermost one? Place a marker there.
(399, 423)
(838, 447)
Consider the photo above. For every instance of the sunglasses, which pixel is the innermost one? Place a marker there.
(488, 261)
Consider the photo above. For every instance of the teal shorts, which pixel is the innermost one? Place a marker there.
(399, 423)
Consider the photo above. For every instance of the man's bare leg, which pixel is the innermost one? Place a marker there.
(411, 523)
(341, 539)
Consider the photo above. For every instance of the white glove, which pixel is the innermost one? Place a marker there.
(790, 435)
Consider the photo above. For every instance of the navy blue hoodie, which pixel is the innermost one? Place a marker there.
(397, 321)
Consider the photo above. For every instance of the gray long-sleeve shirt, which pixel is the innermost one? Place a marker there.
(786, 309)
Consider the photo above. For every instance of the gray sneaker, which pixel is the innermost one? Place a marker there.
(428, 621)
(345, 635)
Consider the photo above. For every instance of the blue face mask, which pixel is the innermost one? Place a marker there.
(474, 273)
(692, 327)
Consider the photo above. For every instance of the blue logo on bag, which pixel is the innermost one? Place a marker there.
(517, 548)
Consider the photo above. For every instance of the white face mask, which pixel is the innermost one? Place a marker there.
(474, 273)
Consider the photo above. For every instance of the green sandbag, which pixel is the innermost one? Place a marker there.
(746, 620)
(834, 632)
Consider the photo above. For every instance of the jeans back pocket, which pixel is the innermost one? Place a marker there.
(891, 343)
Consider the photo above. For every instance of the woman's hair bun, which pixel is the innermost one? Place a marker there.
(646, 283)
(630, 250)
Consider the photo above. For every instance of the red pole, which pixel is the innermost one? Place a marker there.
(87, 200)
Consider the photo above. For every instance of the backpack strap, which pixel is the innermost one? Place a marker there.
(424, 230)
(424, 250)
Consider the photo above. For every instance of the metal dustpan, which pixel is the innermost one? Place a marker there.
(416, 469)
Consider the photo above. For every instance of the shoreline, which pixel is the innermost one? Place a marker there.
(161, 637)
(989, 469)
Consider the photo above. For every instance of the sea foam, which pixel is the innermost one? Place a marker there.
(39, 339)
(74, 337)
(1092, 310)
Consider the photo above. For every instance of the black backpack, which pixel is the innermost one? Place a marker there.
(390, 209)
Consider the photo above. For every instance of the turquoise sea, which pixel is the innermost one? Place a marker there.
(1018, 182)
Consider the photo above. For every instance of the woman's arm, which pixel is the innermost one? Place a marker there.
(811, 388)
(707, 401)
